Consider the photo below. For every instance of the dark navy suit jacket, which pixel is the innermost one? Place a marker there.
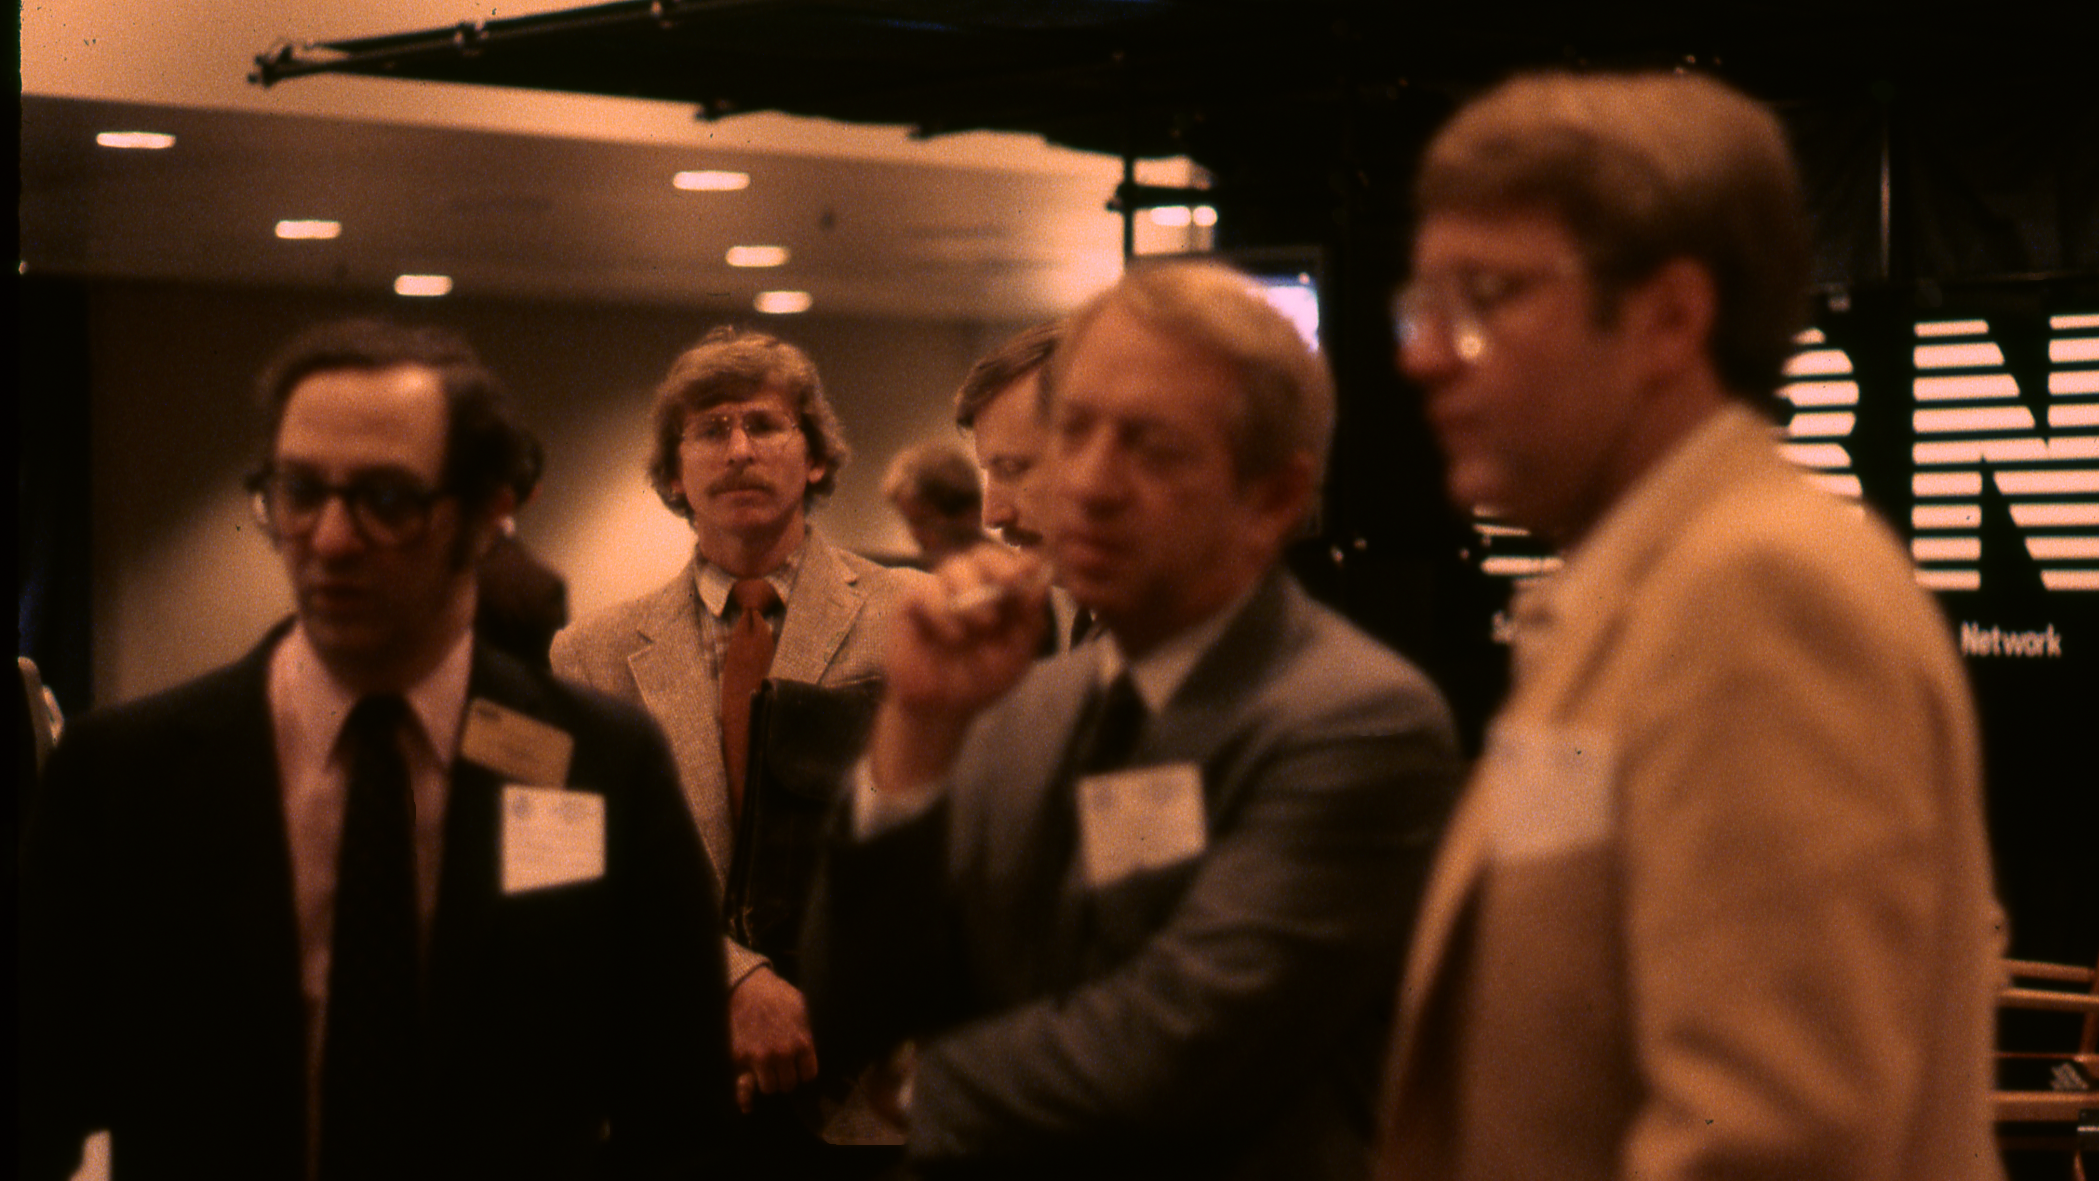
(574, 1032)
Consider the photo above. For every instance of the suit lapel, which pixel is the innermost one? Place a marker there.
(826, 599)
(1223, 686)
(255, 817)
(669, 673)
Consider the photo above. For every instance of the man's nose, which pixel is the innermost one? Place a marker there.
(1429, 353)
(335, 530)
(1090, 470)
(998, 508)
(739, 445)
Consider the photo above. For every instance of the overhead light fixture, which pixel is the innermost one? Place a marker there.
(150, 141)
(423, 285)
(710, 181)
(783, 303)
(757, 256)
(309, 229)
(1182, 215)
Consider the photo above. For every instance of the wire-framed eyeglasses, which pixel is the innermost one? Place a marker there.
(767, 430)
(1462, 304)
(386, 510)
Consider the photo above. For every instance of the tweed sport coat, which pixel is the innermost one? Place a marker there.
(1716, 902)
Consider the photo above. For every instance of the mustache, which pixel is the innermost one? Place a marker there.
(737, 482)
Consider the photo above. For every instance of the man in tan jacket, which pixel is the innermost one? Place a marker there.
(1716, 902)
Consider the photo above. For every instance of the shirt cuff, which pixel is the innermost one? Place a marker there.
(876, 812)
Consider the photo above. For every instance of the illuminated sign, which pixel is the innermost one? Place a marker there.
(1970, 419)
(1979, 430)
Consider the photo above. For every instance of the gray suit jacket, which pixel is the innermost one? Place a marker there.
(647, 650)
(1221, 1016)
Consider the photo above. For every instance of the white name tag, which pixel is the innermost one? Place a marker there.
(1549, 788)
(551, 837)
(519, 748)
(1139, 819)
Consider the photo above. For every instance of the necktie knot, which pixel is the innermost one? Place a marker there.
(372, 733)
(755, 596)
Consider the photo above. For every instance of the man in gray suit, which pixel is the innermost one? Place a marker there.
(745, 445)
(1137, 903)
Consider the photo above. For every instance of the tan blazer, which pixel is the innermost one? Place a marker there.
(1715, 903)
(647, 650)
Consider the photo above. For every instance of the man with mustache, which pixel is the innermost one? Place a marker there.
(377, 900)
(745, 446)
(999, 408)
(1141, 905)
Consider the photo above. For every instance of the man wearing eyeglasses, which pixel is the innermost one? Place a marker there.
(377, 900)
(745, 445)
(1716, 901)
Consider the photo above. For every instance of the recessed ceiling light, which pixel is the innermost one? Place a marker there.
(312, 229)
(757, 256)
(1183, 215)
(783, 303)
(146, 140)
(424, 285)
(712, 182)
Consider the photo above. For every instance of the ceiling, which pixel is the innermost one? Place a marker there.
(942, 159)
(542, 217)
(522, 194)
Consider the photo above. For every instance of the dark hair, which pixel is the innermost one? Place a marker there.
(940, 476)
(1020, 355)
(486, 450)
(728, 365)
(1642, 169)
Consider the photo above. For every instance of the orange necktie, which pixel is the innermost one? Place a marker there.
(744, 661)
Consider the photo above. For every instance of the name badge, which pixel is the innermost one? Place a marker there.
(1139, 819)
(551, 837)
(517, 747)
(1549, 788)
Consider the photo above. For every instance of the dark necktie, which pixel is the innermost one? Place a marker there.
(369, 1080)
(1117, 720)
(1103, 741)
(744, 661)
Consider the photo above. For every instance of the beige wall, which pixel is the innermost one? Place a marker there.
(183, 583)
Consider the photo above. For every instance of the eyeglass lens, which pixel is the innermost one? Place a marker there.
(384, 509)
(765, 429)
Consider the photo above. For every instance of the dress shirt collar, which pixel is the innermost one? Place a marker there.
(715, 582)
(1160, 673)
(311, 704)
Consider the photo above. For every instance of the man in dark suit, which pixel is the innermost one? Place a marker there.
(374, 900)
(1138, 904)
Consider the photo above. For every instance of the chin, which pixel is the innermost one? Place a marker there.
(1473, 488)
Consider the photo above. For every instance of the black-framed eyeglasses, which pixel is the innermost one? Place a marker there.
(385, 509)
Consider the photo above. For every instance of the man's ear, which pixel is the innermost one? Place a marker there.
(1284, 497)
(1674, 311)
(488, 524)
